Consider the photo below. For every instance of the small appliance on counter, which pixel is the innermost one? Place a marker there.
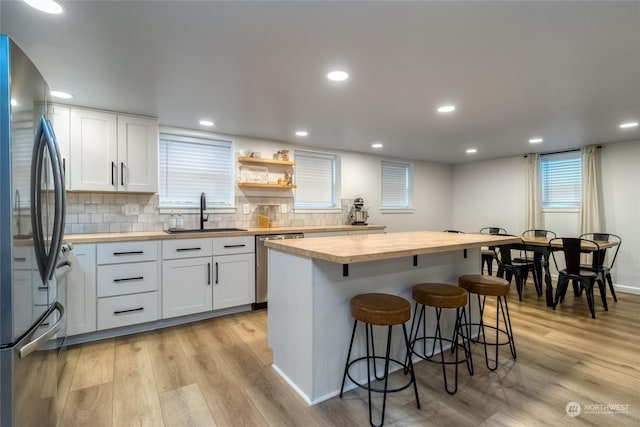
(358, 214)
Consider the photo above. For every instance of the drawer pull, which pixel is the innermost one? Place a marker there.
(188, 249)
(216, 273)
(20, 259)
(128, 279)
(131, 310)
(235, 246)
(129, 253)
(208, 273)
(43, 288)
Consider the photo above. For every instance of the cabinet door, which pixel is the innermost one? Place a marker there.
(81, 290)
(137, 154)
(234, 280)
(61, 126)
(94, 150)
(186, 286)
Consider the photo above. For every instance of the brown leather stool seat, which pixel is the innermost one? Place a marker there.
(484, 285)
(441, 296)
(379, 310)
(489, 286)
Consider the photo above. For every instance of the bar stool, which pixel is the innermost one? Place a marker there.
(491, 286)
(441, 296)
(382, 310)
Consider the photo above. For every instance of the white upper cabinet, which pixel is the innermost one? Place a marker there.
(138, 154)
(60, 120)
(111, 152)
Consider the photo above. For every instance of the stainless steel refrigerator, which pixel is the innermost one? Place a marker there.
(32, 209)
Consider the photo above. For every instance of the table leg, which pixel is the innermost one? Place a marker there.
(547, 279)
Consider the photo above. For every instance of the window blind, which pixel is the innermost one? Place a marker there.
(192, 165)
(395, 185)
(315, 180)
(561, 176)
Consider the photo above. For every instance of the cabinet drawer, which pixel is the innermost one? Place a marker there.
(23, 258)
(123, 279)
(124, 310)
(233, 245)
(115, 253)
(186, 248)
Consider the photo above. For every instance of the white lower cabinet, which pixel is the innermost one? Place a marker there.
(81, 290)
(194, 283)
(127, 283)
(233, 281)
(125, 310)
(186, 286)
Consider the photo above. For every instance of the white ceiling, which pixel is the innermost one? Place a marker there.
(566, 71)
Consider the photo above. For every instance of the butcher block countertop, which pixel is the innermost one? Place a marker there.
(161, 235)
(372, 247)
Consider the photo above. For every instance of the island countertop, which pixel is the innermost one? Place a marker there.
(372, 247)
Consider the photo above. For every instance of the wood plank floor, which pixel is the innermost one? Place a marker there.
(218, 372)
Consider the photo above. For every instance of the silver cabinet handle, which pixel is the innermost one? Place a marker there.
(32, 346)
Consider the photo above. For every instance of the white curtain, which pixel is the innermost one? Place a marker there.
(533, 202)
(590, 209)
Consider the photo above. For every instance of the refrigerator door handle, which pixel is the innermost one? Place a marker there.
(57, 233)
(36, 202)
(36, 343)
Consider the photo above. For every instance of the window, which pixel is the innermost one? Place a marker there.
(190, 165)
(561, 176)
(395, 185)
(316, 180)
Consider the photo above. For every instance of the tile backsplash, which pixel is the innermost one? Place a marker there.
(114, 213)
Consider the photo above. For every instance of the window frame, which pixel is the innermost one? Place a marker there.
(336, 204)
(215, 139)
(408, 208)
(553, 205)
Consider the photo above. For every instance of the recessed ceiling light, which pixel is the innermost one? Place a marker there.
(446, 109)
(338, 76)
(628, 125)
(376, 145)
(472, 150)
(535, 140)
(47, 6)
(60, 94)
(302, 133)
(208, 123)
(13, 102)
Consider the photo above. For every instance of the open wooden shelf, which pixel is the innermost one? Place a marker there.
(266, 161)
(258, 185)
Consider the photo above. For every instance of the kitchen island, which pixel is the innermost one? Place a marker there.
(312, 280)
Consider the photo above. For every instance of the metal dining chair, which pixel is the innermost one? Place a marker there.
(572, 248)
(489, 254)
(598, 259)
(518, 268)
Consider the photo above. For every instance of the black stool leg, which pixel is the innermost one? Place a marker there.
(410, 365)
(507, 324)
(386, 377)
(467, 346)
(346, 365)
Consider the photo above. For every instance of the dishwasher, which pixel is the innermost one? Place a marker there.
(262, 266)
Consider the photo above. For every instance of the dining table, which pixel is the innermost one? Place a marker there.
(542, 251)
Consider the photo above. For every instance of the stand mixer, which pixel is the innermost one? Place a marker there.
(358, 214)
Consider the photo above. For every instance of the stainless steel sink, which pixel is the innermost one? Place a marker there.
(197, 230)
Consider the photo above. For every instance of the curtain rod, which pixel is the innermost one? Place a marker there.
(561, 152)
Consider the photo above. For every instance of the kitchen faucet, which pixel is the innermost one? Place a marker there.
(203, 206)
